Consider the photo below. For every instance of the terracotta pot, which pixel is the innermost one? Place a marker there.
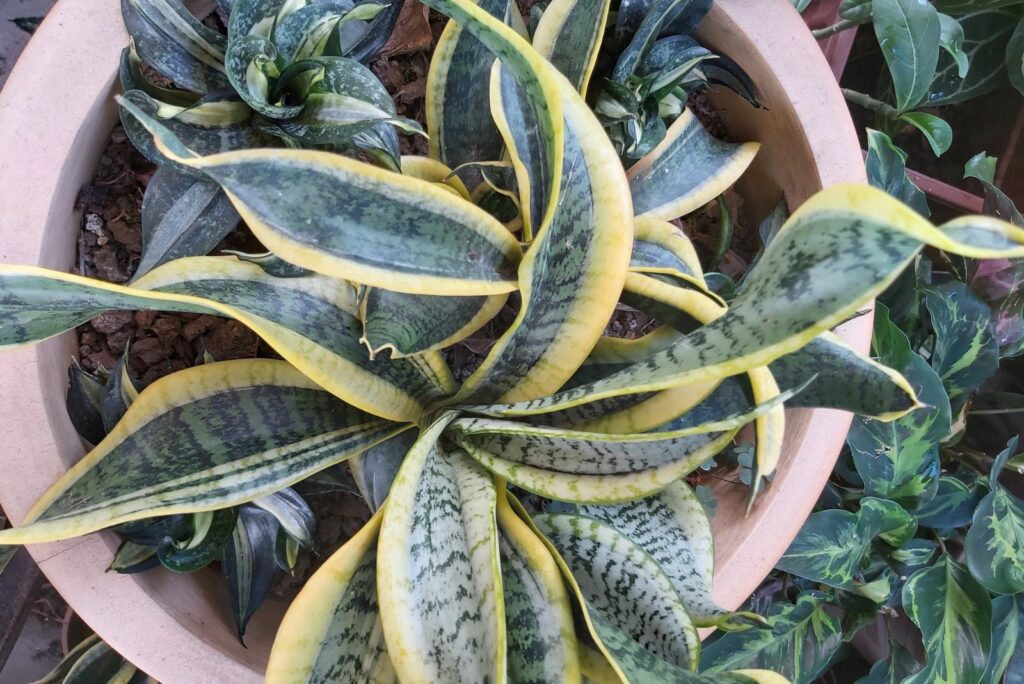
(55, 116)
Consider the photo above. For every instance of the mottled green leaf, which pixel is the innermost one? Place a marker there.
(953, 504)
(233, 452)
(954, 614)
(674, 530)
(994, 545)
(1006, 657)
(624, 590)
(799, 643)
(908, 33)
(438, 571)
(687, 169)
(332, 630)
(182, 216)
(176, 44)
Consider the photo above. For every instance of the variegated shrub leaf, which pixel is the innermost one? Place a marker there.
(233, 453)
(438, 571)
(953, 612)
(332, 630)
(899, 460)
(995, 543)
(966, 352)
(1006, 655)
(799, 643)
(633, 611)
(833, 545)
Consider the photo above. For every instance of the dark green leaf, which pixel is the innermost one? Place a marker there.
(1006, 654)
(986, 34)
(210, 532)
(1015, 57)
(938, 133)
(908, 33)
(84, 403)
(886, 167)
(249, 563)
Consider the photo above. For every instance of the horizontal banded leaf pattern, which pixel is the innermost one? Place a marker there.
(204, 438)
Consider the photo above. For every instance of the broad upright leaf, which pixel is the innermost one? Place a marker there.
(674, 530)
(687, 169)
(438, 575)
(350, 220)
(569, 35)
(542, 645)
(628, 599)
(332, 630)
(852, 242)
(799, 643)
(232, 453)
(954, 614)
(908, 32)
(573, 271)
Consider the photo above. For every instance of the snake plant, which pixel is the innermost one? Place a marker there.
(603, 572)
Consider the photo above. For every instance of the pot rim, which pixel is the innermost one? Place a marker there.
(176, 628)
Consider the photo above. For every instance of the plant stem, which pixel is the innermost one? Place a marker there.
(870, 103)
(840, 25)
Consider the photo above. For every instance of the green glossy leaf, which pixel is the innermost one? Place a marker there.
(233, 453)
(954, 614)
(249, 564)
(673, 529)
(951, 39)
(626, 594)
(1015, 57)
(211, 531)
(966, 352)
(899, 460)
(84, 403)
(438, 571)
(982, 167)
(833, 546)
(182, 216)
(908, 33)
(799, 643)
(938, 133)
(350, 220)
(332, 630)
(886, 167)
(986, 35)
(176, 44)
